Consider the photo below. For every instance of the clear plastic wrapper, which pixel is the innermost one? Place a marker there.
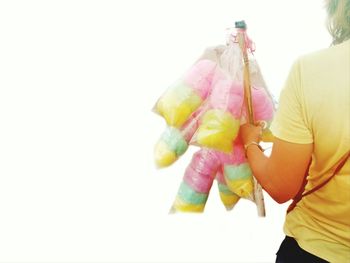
(181, 106)
(228, 198)
(184, 97)
(225, 111)
(233, 175)
(206, 108)
(237, 173)
(219, 126)
(174, 141)
(198, 179)
(206, 166)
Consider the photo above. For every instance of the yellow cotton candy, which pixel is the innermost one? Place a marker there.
(214, 141)
(163, 155)
(229, 200)
(217, 130)
(178, 104)
(243, 188)
(181, 206)
(177, 116)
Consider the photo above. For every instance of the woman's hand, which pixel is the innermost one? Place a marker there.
(250, 133)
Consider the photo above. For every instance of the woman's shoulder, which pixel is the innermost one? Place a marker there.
(327, 55)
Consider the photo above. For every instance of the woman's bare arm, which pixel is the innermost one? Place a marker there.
(281, 174)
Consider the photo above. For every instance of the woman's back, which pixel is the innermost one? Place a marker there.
(315, 108)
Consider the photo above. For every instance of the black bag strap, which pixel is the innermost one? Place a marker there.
(338, 166)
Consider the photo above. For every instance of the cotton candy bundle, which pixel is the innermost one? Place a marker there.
(205, 166)
(178, 103)
(206, 108)
(170, 146)
(174, 141)
(228, 198)
(220, 124)
(237, 173)
(179, 106)
(197, 181)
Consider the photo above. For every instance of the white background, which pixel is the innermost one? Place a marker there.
(78, 80)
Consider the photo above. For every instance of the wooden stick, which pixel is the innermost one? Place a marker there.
(258, 193)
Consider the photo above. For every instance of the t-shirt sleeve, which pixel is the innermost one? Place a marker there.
(289, 122)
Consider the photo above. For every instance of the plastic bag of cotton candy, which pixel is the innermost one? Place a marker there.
(224, 110)
(206, 108)
(231, 171)
(181, 105)
(222, 155)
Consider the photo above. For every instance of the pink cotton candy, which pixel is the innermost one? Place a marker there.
(224, 157)
(200, 173)
(199, 77)
(262, 104)
(218, 75)
(201, 183)
(205, 161)
(228, 96)
(236, 157)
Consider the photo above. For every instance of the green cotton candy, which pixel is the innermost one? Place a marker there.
(190, 196)
(175, 141)
(237, 172)
(224, 189)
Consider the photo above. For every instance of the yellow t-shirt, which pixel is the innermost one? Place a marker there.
(315, 108)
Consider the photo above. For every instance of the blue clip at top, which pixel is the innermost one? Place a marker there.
(241, 24)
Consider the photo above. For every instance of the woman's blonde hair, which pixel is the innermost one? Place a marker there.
(338, 19)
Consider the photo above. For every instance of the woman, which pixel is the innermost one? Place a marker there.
(312, 126)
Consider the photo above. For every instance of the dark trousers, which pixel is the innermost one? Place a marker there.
(290, 252)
